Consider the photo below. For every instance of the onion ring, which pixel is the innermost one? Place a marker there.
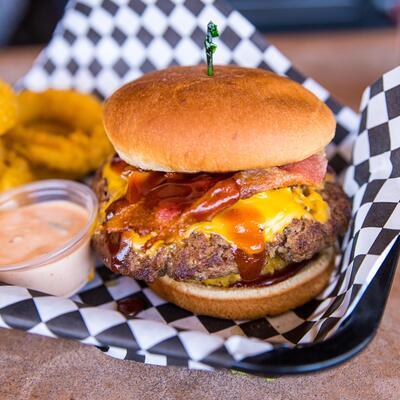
(60, 131)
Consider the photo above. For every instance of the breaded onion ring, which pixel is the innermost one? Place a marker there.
(60, 131)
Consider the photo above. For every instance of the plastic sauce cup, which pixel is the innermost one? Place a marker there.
(67, 268)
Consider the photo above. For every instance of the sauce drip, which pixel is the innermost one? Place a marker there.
(243, 228)
(223, 195)
(250, 265)
(118, 250)
(131, 306)
(276, 277)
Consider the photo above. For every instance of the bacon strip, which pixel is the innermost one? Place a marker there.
(310, 172)
(312, 169)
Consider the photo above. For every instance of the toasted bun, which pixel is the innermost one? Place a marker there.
(179, 119)
(250, 303)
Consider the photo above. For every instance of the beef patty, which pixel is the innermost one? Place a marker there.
(201, 256)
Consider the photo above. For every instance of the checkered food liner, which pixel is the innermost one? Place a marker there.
(98, 46)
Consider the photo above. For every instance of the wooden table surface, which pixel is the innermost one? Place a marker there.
(34, 367)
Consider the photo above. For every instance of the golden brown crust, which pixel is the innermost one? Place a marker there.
(250, 303)
(179, 119)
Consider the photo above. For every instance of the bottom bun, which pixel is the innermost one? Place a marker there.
(252, 302)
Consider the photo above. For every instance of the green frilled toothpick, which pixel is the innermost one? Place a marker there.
(212, 32)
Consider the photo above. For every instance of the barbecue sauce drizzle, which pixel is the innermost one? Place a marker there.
(172, 199)
(275, 277)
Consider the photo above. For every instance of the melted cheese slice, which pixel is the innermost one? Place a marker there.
(271, 212)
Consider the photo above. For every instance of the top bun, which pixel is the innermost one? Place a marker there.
(180, 119)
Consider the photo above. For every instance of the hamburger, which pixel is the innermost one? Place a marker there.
(219, 195)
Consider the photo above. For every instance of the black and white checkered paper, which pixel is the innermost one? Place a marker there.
(98, 46)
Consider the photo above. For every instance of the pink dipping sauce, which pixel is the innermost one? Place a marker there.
(45, 233)
(37, 229)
